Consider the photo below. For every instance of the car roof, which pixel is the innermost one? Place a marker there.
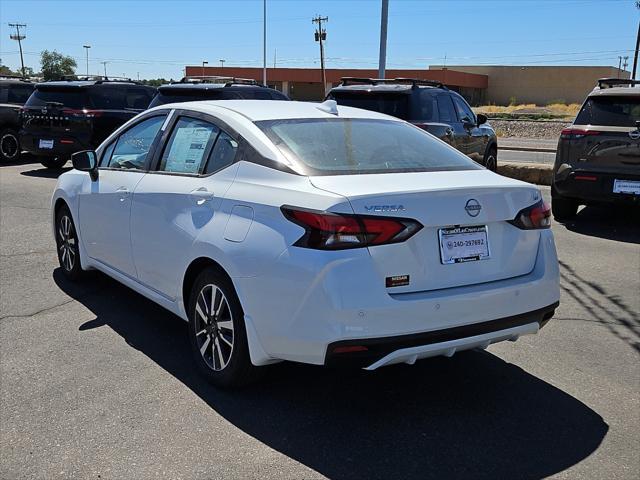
(258, 110)
(15, 81)
(85, 83)
(616, 91)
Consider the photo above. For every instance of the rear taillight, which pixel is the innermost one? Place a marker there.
(338, 231)
(536, 216)
(577, 133)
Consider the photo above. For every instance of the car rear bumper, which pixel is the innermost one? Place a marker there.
(372, 353)
(63, 145)
(596, 187)
(304, 307)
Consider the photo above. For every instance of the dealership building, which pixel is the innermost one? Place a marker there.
(499, 84)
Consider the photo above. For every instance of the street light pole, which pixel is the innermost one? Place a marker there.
(384, 19)
(222, 60)
(87, 47)
(104, 64)
(203, 64)
(264, 42)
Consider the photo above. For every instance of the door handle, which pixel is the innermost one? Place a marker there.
(123, 192)
(201, 195)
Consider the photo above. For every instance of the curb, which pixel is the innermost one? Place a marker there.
(538, 173)
(527, 149)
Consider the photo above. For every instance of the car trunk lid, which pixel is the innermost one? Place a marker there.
(471, 201)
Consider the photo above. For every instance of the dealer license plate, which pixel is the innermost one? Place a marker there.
(626, 186)
(46, 144)
(463, 244)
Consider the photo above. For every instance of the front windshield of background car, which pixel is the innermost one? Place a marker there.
(610, 110)
(394, 104)
(70, 98)
(351, 146)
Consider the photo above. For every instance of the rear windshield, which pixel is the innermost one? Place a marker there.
(394, 104)
(622, 111)
(176, 96)
(350, 146)
(70, 98)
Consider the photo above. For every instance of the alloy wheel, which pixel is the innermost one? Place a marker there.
(67, 243)
(214, 327)
(9, 146)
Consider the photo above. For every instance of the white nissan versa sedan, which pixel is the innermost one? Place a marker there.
(308, 232)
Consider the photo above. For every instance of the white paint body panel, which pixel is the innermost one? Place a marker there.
(296, 300)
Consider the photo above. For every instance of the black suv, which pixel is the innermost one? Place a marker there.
(63, 117)
(14, 91)
(427, 104)
(191, 89)
(598, 157)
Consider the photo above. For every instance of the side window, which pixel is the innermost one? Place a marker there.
(107, 98)
(19, 93)
(137, 98)
(445, 108)
(223, 153)
(3, 94)
(188, 146)
(106, 154)
(463, 109)
(132, 147)
(426, 110)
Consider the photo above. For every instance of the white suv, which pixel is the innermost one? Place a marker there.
(308, 232)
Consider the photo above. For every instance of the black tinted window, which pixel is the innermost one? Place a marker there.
(107, 98)
(137, 98)
(19, 93)
(176, 96)
(223, 153)
(464, 112)
(393, 104)
(348, 146)
(610, 110)
(445, 108)
(425, 109)
(70, 98)
(256, 94)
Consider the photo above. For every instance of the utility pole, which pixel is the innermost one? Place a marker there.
(625, 63)
(203, 64)
(19, 37)
(222, 60)
(104, 64)
(320, 35)
(264, 42)
(619, 65)
(384, 20)
(87, 47)
(635, 55)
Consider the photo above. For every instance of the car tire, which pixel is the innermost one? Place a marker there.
(55, 163)
(217, 332)
(563, 209)
(67, 244)
(491, 159)
(9, 145)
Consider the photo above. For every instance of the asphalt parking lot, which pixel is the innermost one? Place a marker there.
(97, 382)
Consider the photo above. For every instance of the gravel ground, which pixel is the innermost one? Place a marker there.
(530, 129)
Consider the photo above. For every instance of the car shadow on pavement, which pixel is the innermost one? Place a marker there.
(620, 223)
(46, 172)
(23, 159)
(469, 416)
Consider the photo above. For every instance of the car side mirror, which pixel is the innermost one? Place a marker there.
(468, 123)
(481, 119)
(86, 161)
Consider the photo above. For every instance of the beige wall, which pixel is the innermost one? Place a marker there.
(539, 84)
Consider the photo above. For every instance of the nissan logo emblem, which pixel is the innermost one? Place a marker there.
(634, 135)
(473, 207)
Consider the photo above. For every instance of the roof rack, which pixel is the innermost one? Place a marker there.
(97, 79)
(377, 81)
(615, 82)
(218, 79)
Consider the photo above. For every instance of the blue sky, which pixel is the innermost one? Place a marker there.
(156, 38)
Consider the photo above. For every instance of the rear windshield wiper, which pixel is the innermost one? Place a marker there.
(54, 104)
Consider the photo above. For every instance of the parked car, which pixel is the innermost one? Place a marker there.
(429, 105)
(598, 157)
(308, 232)
(67, 116)
(14, 91)
(191, 89)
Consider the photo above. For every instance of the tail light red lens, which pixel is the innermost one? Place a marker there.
(338, 231)
(577, 133)
(536, 216)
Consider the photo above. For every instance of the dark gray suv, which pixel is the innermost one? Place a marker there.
(427, 104)
(598, 157)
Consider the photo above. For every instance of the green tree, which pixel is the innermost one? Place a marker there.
(55, 65)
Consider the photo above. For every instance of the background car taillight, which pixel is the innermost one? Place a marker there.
(577, 133)
(337, 231)
(536, 216)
